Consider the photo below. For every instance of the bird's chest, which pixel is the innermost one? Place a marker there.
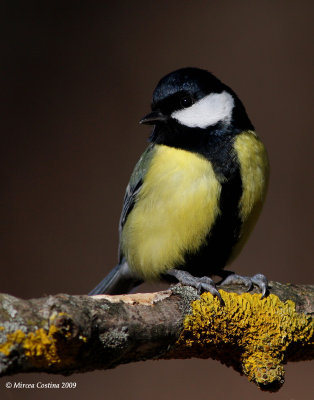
(190, 208)
(177, 205)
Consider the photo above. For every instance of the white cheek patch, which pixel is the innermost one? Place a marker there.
(206, 112)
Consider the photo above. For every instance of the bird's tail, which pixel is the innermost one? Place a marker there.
(120, 280)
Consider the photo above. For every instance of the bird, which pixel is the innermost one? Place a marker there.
(195, 193)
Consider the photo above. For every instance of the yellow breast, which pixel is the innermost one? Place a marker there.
(177, 205)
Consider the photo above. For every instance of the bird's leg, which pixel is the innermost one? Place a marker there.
(202, 284)
(230, 278)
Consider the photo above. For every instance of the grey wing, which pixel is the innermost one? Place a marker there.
(129, 201)
(135, 185)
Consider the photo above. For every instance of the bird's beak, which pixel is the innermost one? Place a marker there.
(153, 118)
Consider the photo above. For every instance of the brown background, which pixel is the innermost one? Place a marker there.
(75, 80)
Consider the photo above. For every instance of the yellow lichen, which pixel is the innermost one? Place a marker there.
(42, 348)
(39, 346)
(12, 339)
(249, 333)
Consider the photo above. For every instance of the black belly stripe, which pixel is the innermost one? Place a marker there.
(215, 144)
(222, 237)
(214, 254)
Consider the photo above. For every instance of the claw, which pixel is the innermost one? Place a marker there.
(234, 279)
(209, 285)
(261, 282)
(203, 284)
(198, 287)
(258, 280)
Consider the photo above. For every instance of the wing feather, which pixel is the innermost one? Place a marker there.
(135, 185)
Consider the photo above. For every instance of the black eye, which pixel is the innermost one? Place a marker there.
(186, 101)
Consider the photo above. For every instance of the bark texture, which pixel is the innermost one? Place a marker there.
(65, 334)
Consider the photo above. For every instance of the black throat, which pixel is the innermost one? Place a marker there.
(214, 143)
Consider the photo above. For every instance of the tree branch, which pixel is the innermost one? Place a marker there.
(66, 334)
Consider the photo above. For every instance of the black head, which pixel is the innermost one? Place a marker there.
(192, 98)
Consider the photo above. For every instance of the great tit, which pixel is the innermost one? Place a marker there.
(196, 192)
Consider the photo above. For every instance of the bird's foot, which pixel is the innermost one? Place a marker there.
(258, 280)
(202, 284)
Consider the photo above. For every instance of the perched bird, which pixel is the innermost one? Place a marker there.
(196, 192)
